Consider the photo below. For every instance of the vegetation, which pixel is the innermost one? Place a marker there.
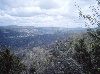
(89, 60)
(77, 54)
(9, 63)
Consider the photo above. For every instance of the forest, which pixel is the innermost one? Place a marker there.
(31, 50)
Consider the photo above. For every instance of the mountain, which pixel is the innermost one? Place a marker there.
(28, 37)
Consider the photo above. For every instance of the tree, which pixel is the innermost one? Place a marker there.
(9, 63)
(32, 70)
(94, 54)
(83, 57)
(62, 62)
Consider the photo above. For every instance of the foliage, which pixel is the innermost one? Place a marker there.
(91, 60)
(9, 63)
(83, 57)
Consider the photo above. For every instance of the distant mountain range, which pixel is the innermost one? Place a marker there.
(27, 37)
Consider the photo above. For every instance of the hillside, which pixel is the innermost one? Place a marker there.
(45, 50)
(27, 37)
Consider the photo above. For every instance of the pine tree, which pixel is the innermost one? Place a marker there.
(9, 63)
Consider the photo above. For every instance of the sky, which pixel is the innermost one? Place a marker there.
(44, 13)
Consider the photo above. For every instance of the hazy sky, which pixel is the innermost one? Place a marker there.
(55, 13)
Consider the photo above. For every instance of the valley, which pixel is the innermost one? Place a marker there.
(28, 37)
